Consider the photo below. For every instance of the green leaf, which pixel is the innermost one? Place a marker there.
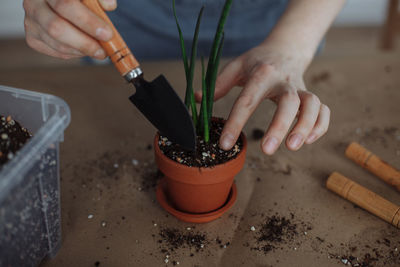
(183, 49)
(205, 116)
(209, 75)
(213, 78)
(215, 54)
(189, 86)
(217, 39)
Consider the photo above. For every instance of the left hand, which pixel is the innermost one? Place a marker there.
(266, 72)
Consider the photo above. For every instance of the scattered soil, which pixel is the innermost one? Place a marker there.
(175, 242)
(257, 134)
(366, 261)
(276, 231)
(206, 154)
(12, 138)
(175, 239)
(279, 232)
(320, 77)
(275, 228)
(382, 136)
(340, 147)
(375, 135)
(388, 69)
(106, 170)
(382, 252)
(150, 179)
(391, 131)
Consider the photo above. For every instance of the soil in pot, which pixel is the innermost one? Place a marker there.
(12, 137)
(207, 154)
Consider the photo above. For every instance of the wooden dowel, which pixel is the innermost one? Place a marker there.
(374, 164)
(364, 198)
(390, 27)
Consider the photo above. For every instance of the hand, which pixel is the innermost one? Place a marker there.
(66, 28)
(267, 73)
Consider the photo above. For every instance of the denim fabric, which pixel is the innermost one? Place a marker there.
(148, 26)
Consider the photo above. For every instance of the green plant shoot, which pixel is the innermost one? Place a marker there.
(189, 69)
(189, 86)
(202, 121)
(215, 53)
(213, 78)
(182, 43)
(205, 118)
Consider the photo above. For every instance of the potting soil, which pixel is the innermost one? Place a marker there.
(207, 154)
(12, 137)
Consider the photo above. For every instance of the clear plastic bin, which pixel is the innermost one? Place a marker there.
(30, 221)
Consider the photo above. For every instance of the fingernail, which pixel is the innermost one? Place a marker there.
(108, 3)
(103, 34)
(311, 138)
(270, 145)
(227, 141)
(295, 141)
(100, 54)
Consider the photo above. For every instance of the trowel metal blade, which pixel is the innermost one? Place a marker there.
(160, 104)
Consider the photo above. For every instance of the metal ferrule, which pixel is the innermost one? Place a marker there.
(133, 74)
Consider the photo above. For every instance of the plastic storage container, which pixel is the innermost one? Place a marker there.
(30, 221)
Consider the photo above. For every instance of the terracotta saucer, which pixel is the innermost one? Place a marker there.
(194, 217)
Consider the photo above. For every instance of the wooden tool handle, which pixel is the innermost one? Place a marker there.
(116, 48)
(374, 164)
(364, 198)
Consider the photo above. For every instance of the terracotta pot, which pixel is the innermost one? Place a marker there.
(198, 190)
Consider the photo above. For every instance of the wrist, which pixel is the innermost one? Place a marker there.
(301, 28)
(290, 51)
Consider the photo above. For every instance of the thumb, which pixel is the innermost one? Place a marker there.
(226, 80)
(108, 5)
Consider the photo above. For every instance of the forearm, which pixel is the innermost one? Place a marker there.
(302, 27)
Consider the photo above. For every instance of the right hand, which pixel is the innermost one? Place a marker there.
(66, 28)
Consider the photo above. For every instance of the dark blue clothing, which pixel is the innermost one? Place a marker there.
(149, 28)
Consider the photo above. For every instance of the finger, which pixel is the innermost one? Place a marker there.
(80, 16)
(288, 105)
(226, 80)
(242, 109)
(108, 5)
(36, 32)
(309, 110)
(45, 49)
(321, 126)
(244, 106)
(64, 32)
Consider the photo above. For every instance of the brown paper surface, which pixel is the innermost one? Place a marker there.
(107, 133)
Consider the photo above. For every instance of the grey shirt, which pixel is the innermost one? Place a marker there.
(148, 26)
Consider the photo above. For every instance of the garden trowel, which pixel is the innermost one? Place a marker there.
(157, 100)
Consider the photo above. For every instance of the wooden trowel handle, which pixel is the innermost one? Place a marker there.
(116, 48)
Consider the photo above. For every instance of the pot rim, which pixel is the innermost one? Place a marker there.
(227, 164)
